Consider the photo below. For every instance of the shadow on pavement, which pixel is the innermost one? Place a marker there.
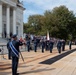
(35, 71)
(56, 58)
(5, 73)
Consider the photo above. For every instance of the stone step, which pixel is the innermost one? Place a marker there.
(3, 40)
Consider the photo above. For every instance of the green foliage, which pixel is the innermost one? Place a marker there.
(60, 22)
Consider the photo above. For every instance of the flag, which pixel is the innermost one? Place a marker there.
(48, 35)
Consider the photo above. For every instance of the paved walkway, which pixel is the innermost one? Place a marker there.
(33, 65)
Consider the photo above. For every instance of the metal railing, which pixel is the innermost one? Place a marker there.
(2, 51)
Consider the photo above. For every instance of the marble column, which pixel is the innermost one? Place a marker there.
(0, 19)
(14, 21)
(22, 28)
(8, 21)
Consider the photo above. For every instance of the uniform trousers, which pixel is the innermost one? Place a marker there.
(35, 48)
(14, 65)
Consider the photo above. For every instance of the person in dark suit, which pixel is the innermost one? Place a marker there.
(9, 49)
(11, 34)
(5, 33)
(15, 54)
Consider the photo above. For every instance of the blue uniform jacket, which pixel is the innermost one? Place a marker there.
(35, 42)
(59, 44)
(16, 44)
(51, 44)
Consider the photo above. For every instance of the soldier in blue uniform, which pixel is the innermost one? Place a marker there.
(28, 45)
(9, 49)
(63, 45)
(28, 42)
(43, 45)
(59, 44)
(14, 45)
(51, 45)
(35, 44)
(70, 44)
(47, 45)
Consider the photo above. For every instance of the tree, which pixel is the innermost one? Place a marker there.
(60, 22)
(36, 21)
(58, 19)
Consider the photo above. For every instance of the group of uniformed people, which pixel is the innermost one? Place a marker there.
(49, 44)
(13, 48)
(45, 44)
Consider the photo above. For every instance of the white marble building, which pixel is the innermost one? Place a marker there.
(11, 18)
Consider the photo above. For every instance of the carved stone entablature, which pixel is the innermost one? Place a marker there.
(15, 1)
(9, 2)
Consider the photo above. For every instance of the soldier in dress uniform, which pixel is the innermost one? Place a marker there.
(35, 44)
(51, 45)
(28, 45)
(14, 45)
(28, 42)
(70, 45)
(43, 45)
(63, 45)
(47, 45)
(59, 44)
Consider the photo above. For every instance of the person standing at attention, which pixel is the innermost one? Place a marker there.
(14, 45)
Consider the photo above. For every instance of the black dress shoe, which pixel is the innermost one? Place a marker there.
(17, 74)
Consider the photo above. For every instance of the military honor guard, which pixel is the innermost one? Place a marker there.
(14, 45)
(63, 45)
(43, 45)
(28, 45)
(51, 45)
(70, 45)
(59, 44)
(35, 44)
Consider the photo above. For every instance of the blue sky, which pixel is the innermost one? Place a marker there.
(39, 6)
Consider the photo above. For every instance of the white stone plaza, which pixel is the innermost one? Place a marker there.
(11, 18)
(33, 65)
